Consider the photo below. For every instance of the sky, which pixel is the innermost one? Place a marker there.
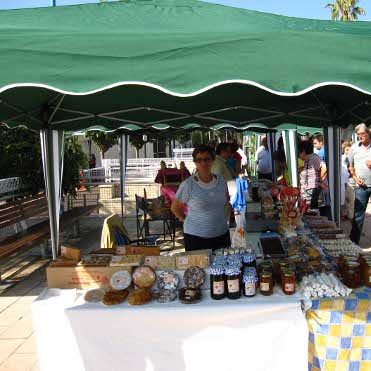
(293, 8)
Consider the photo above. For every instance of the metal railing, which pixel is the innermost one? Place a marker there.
(10, 187)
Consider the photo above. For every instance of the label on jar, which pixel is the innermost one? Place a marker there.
(168, 278)
(190, 293)
(264, 286)
(233, 286)
(218, 288)
(183, 260)
(289, 287)
(250, 288)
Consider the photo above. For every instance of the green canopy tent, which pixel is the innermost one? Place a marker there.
(174, 62)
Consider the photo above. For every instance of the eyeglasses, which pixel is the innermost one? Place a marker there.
(361, 134)
(206, 160)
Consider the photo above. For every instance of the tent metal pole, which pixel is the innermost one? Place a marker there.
(52, 143)
(290, 146)
(337, 180)
(271, 140)
(124, 139)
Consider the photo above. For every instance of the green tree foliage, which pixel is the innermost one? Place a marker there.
(74, 160)
(20, 156)
(136, 140)
(104, 141)
(345, 10)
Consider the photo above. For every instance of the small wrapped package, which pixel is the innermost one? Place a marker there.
(186, 261)
(160, 262)
(126, 260)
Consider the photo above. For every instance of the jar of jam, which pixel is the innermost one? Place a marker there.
(249, 259)
(266, 283)
(217, 282)
(352, 275)
(366, 273)
(249, 280)
(233, 276)
(288, 281)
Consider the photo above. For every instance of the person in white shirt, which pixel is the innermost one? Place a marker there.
(263, 160)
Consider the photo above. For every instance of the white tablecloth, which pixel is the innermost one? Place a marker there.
(260, 333)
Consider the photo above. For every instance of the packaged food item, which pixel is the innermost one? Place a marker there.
(137, 250)
(94, 296)
(165, 296)
(95, 261)
(288, 281)
(140, 297)
(114, 297)
(126, 260)
(160, 262)
(217, 282)
(70, 252)
(103, 252)
(120, 280)
(233, 277)
(168, 280)
(266, 283)
(63, 262)
(189, 295)
(144, 277)
(194, 277)
(186, 261)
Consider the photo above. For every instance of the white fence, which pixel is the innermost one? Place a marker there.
(10, 187)
(137, 168)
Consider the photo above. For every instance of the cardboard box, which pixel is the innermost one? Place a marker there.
(81, 277)
(126, 260)
(71, 252)
(137, 250)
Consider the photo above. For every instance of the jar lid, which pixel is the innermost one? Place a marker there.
(249, 270)
(288, 272)
(249, 257)
(266, 274)
(249, 278)
(232, 271)
(217, 270)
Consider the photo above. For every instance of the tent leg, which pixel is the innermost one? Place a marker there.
(124, 139)
(290, 146)
(271, 140)
(52, 150)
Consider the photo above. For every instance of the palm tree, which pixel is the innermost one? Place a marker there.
(345, 10)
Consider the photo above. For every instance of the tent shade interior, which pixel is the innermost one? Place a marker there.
(146, 62)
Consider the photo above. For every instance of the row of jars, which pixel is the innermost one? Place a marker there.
(355, 271)
(231, 281)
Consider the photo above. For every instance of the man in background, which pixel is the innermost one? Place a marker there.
(319, 146)
(263, 160)
(360, 169)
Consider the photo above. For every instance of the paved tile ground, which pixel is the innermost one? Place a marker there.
(17, 338)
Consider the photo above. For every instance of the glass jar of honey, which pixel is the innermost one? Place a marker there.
(352, 275)
(366, 273)
(288, 281)
(266, 283)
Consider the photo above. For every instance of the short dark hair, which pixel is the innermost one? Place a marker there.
(202, 148)
(222, 147)
(306, 146)
(318, 138)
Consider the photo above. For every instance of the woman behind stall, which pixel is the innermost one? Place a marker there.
(205, 194)
(313, 177)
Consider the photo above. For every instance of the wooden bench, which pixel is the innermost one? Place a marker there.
(18, 211)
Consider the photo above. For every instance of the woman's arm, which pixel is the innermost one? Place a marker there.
(323, 176)
(177, 209)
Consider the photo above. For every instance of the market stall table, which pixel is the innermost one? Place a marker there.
(340, 332)
(263, 333)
